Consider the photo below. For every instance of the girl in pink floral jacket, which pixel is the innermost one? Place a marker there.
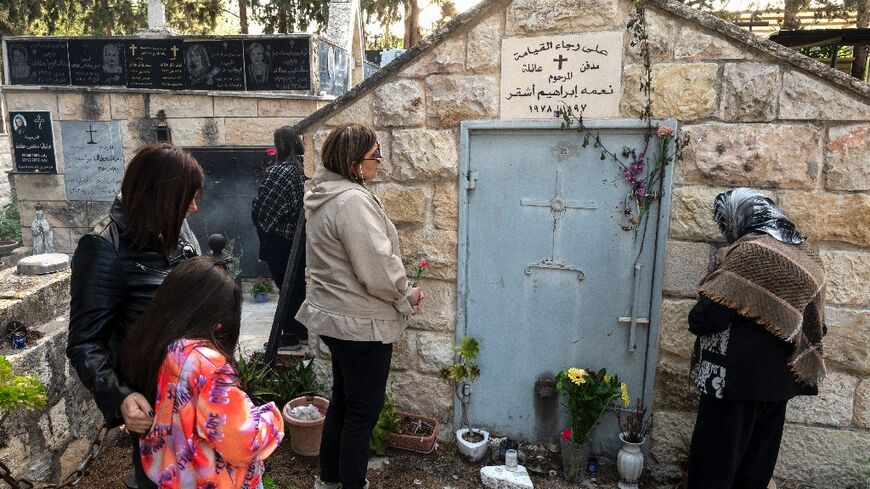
(206, 432)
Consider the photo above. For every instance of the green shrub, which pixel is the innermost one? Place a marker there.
(10, 223)
(265, 384)
(19, 393)
(388, 422)
(261, 286)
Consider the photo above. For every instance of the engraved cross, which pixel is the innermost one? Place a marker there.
(558, 205)
(561, 59)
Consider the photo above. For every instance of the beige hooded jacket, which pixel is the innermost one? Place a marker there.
(359, 290)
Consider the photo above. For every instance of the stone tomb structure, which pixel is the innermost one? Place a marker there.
(758, 115)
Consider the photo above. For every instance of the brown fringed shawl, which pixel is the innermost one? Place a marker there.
(781, 287)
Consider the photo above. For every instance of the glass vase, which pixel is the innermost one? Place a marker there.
(574, 459)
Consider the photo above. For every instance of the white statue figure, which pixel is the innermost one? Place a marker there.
(43, 236)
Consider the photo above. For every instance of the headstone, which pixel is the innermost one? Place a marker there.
(278, 64)
(214, 65)
(42, 264)
(33, 142)
(540, 76)
(156, 15)
(369, 69)
(155, 63)
(97, 62)
(44, 62)
(388, 55)
(334, 73)
(43, 236)
(93, 159)
(498, 477)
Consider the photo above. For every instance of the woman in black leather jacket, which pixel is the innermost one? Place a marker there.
(117, 269)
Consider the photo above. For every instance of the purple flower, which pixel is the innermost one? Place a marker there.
(640, 189)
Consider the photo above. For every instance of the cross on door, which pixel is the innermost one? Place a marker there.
(558, 205)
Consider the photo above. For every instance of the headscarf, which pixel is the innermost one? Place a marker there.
(742, 210)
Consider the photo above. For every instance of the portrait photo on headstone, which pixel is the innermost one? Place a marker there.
(214, 65)
(33, 142)
(97, 62)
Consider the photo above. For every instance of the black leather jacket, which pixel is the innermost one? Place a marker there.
(112, 282)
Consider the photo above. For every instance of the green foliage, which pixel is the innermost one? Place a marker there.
(19, 393)
(587, 395)
(10, 223)
(388, 422)
(283, 16)
(268, 482)
(466, 369)
(262, 286)
(266, 384)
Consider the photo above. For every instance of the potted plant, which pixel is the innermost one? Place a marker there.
(10, 229)
(587, 395)
(635, 426)
(472, 442)
(404, 431)
(261, 289)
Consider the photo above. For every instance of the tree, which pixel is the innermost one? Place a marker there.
(859, 63)
(283, 16)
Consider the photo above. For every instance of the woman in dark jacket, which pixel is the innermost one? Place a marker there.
(275, 212)
(116, 270)
(760, 322)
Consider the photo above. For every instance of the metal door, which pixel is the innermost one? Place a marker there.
(548, 278)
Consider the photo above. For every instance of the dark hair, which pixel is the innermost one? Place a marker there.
(347, 144)
(159, 185)
(196, 296)
(288, 145)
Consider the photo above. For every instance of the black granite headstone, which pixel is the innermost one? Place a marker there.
(97, 62)
(155, 64)
(214, 65)
(278, 64)
(38, 62)
(33, 142)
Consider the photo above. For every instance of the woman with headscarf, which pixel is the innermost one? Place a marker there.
(759, 322)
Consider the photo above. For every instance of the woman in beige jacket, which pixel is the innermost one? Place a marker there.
(358, 299)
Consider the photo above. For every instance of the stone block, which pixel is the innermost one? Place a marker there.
(661, 31)
(540, 16)
(832, 407)
(424, 394)
(72, 456)
(675, 386)
(286, 107)
(404, 205)
(848, 274)
(176, 105)
(846, 160)
(127, 106)
(446, 206)
(685, 91)
(698, 43)
(686, 264)
(87, 106)
(749, 92)
(692, 214)
(235, 107)
(498, 477)
(674, 335)
(847, 345)
(439, 307)
(35, 186)
(15, 453)
(197, 132)
(403, 351)
(400, 103)
(671, 436)
(97, 211)
(59, 214)
(830, 217)
(446, 57)
(436, 247)
(808, 98)
(484, 45)
(253, 131)
(862, 404)
(751, 155)
(358, 112)
(137, 133)
(424, 154)
(434, 350)
(29, 100)
(456, 98)
(823, 457)
(63, 241)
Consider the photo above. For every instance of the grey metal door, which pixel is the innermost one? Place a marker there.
(548, 277)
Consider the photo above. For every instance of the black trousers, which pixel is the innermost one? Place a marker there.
(359, 370)
(735, 444)
(142, 479)
(275, 251)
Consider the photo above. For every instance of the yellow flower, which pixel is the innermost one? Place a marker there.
(624, 389)
(577, 375)
(606, 379)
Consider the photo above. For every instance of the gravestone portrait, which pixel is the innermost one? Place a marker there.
(333, 69)
(278, 64)
(541, 76)
(33, 142)
(95, 62)
(38, 62)
(155, 64)
(214, 65)
(93, 159)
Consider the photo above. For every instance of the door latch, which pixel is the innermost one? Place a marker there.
(471, 180)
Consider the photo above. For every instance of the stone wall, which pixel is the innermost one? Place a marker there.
(195, 120)
(758, 115)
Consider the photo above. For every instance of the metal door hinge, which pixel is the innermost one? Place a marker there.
(471, 180)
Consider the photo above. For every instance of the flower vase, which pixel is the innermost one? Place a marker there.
(629, 463)
(574, 459)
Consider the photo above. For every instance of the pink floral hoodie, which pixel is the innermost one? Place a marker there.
(206, 433)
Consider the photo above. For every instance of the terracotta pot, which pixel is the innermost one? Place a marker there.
(413, 443)
(305, 434)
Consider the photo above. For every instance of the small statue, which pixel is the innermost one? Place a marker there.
(43, 236)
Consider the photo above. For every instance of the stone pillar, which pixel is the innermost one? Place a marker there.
(345, 29)
(156, 15)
